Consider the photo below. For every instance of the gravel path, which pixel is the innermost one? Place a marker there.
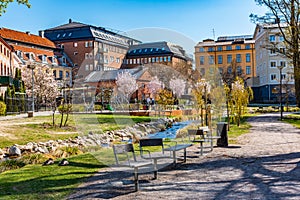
(265, 164)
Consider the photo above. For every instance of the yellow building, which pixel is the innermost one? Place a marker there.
(225, 51)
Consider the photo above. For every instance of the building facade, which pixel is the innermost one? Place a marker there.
(225, 51)
(30, 48)
(89, 47)
(155, 52)
(272, 66)
(8, 66)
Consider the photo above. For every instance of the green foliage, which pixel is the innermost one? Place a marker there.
(8, 100)
(2, 108)
(98, 107)
(11, 164)
(64, 152)
(165, 97)
(4, 4)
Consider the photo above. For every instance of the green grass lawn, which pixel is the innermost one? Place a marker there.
(47, 182)
(235, 131)
(293, 119)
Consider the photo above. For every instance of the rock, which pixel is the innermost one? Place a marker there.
(50, 161)
(63, 162)
(14, 151)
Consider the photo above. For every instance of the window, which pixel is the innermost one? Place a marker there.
(220, 48)
(282, 50)
(201, 60)
(247, 46)
(91, 55)
(160, 59)
(220, 70)
(201, 49)
(211, 60)
(156, 59)
(229, 58)
(273, 77)
(282, 63)
(248, 57)
(220, 59)
(118, 60)
(281, 39)
(272, 63)
(134, 61)
(60, 74)
(210, 49)
(86, 67)
(149, 60)
(239, 70)
(91, 67)
(75, 53)
(283, 76)
(238, 58)
(113, 58)
(229, 70)
(272, 38)
(238, 47)
(86, 44)
(202, 70)
(169, 58)
(165, 59)
(67, 74)
(54, 73)
(75, 44)
(248, 70)
(153, 59)
(90, 43)
(272, 51)
(228, 48)
(86, 55)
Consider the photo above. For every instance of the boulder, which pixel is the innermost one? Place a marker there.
(14, 151)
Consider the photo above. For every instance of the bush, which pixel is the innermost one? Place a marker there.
(2, 108)
(36, 158)
(98, 107)
(78, 108)
(11, 164)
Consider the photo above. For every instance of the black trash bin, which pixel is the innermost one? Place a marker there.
(222, 132)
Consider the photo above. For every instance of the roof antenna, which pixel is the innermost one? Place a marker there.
(70, 21)
(214, 33)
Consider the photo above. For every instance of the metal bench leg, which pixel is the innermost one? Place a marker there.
(184, 155)
(174, 157)
(201, 148)
(136, 179)
(155, 168)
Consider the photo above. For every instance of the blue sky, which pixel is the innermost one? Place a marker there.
(193, 20)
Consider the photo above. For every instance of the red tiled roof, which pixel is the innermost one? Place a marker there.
(25, 37)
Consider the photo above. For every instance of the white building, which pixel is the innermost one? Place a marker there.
(270, 56)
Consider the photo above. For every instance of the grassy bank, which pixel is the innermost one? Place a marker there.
(40, 129)
(47, 182)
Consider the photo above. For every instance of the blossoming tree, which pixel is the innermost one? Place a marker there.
(126, 85)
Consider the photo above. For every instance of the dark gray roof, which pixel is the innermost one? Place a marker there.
(156, 48)
(68, 26)
(78, 31)
(111, 75)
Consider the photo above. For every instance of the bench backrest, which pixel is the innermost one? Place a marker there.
(152, 142)
(124, 149)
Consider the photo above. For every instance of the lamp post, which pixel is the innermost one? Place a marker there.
(32, 67)
(280, 90)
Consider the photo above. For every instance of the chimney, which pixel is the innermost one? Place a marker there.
(28, 32)
(70, 21)
(41, 33)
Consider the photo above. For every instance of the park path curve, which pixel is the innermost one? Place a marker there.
(265, 164)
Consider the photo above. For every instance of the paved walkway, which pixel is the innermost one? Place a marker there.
(265, 164)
